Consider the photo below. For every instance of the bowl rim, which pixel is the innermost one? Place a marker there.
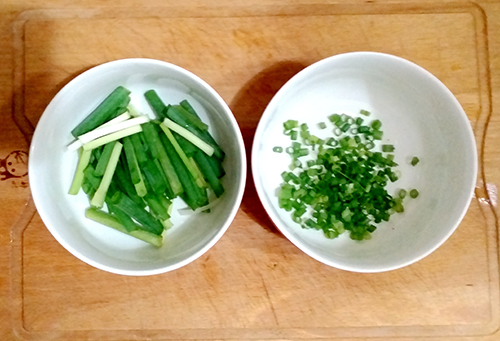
(37, 196)
(285, 229)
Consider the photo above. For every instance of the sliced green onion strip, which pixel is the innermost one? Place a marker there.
(102, 131)
(83, 161)
(112, 137)
(100, 194)
(205, 147)
(179, 151)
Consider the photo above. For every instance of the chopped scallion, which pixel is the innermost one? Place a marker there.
(341, 186)
(387, 148)
(290, 124)
(402, 193)
(414, 193)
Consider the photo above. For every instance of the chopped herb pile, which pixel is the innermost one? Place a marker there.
(342, 186)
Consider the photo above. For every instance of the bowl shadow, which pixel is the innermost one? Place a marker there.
(248, 106)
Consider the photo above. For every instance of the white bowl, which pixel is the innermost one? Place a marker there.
(420, 117)
(51, 168)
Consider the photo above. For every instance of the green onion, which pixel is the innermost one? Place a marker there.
(112, 221)
(83, 161)
(158, 152)
(334, 118)
(112, 137)
(342, 187)
(193, 196)
(103, 159)
(108, 128)
(370, 145)
(113, 105)
(156, 103)
(414, 193)
(124, 182)
(387, 148)
(100, 194)
(414, 161)
(363, 129)
(402, 193)
(133, 167)
(345, 127)
(147, 221)
(157, 166)
(179, 151)
(205, 147)
(191, 118)
(124, 219)
(377, 134)
(174, 114)
(376, 125)
(209, 174)
(290, 124)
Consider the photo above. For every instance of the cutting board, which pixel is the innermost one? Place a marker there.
(253, 284)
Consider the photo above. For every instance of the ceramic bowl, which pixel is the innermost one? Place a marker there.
(420, 116)
(52, 166)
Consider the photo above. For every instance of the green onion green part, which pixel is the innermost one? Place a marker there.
(387, 148)
(402, 193)
(113, 222)
(414, 193)
(112, 106)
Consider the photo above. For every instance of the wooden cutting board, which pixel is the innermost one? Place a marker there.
(253, 284)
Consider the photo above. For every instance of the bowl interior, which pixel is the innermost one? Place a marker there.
(51, 169)
(420, 117)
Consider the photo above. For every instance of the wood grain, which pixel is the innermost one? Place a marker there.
(253, 284)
